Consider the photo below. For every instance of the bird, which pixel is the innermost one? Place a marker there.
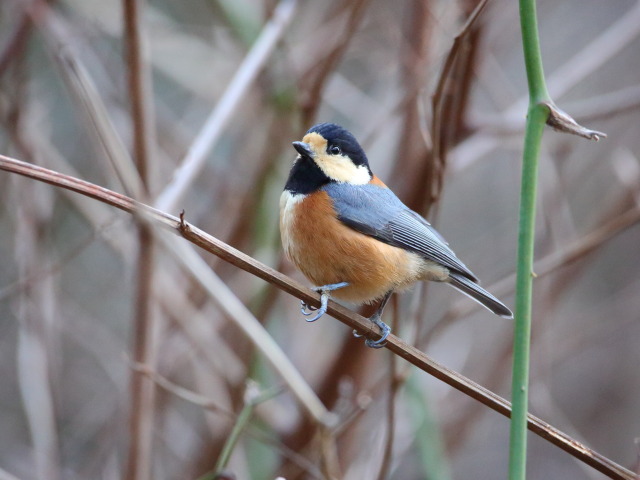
(354, 239)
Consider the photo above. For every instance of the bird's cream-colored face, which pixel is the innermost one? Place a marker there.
(333, 163)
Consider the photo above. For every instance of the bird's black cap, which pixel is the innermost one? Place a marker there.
(337, 135)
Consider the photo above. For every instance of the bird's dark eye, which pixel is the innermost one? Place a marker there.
(335, 150)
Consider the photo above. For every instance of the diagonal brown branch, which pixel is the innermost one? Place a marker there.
(349, 318)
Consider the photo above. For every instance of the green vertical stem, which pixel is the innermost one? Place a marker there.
(536, 119)
(521, 342)
(234, 436)
(532, 56)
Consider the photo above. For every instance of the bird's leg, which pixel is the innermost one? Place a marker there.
(376, 319)
(325, 293)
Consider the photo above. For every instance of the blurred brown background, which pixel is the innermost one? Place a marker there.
(68, 269)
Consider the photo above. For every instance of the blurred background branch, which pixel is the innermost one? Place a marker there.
(145, 321)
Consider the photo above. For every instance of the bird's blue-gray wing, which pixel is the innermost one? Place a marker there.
(377, 212)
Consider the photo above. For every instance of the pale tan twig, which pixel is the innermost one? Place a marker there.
(4, 475)
(84, 90)
(34, 359)
(329, 464)
(181, 392)
(612, 40)
(252, 65)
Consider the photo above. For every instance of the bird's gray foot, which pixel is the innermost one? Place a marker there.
(325, 293)
(386, 330)
(376, 319)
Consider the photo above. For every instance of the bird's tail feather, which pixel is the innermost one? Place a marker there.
(479, 294)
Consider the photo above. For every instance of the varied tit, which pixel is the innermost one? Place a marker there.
(348, 233)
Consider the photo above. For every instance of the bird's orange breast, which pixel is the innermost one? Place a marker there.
(326, 251)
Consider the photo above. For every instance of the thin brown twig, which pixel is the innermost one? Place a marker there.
(349, 318)
(328, 453)
(313, 81)
(181, 392)
(574, 252)
(205, 402)
(54, 268)
(395, 383)
(17, 42)
(413, 151)
(143, 397)
(578, 250)
(346, 363)
(442, 91)
(448, 66)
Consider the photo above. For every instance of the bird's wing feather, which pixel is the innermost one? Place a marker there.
(377, 212)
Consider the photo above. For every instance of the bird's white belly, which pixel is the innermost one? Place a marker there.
(288, 202)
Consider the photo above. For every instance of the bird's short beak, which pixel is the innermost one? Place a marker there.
(303, 149)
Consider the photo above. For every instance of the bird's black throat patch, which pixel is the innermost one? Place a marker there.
(305, 177)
